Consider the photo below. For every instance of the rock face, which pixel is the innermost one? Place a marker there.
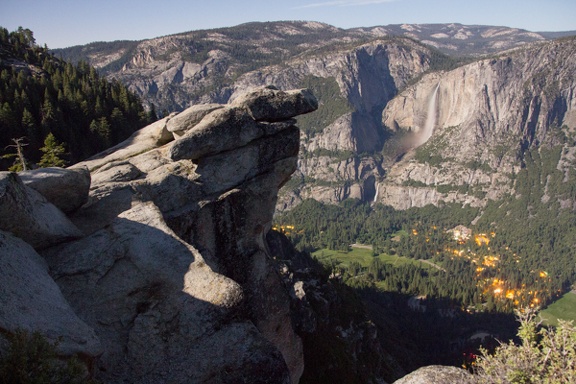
(484, 111)
(483, 117)
(170, 274)
(437, 374)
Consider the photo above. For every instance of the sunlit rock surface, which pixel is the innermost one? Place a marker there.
(167, 268)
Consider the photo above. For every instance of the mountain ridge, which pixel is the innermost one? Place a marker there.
(348, 149)
(465, 40)
(421, 32)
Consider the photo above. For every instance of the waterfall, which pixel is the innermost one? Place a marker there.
(376, 194)
(430, 119)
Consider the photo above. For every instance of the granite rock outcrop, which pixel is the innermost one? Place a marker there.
(482, 118)
(164, 272)
(438, 374)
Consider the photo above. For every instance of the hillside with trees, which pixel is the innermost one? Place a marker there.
(507, 261)
(49, 103)
(439, 275)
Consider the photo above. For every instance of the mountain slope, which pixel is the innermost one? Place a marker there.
(175, 71)
(484, 117)
(348, 148)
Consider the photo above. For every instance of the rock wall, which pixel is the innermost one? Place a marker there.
(487, 114)
(338, 160)
(487, 111)
(163, 275)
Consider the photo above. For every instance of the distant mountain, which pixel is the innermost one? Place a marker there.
(374, 86)
(557, 35)
(208, 60)
(458, 39)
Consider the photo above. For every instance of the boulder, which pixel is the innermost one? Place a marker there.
(31, 301)
(227, 170)
(223, 130)
(438, 374)
(28, 215)
(272, 104)
(67, 189)
(242, 122)
(188, 118)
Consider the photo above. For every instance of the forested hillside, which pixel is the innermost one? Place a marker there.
(439, 275)
(516, 252)
(42, 95)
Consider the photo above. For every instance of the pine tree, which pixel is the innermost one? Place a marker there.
(52, 151)
(65, 97)
(20, 163)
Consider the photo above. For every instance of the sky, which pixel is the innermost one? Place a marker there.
(64, 23)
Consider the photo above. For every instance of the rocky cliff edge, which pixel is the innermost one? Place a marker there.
(161, 272)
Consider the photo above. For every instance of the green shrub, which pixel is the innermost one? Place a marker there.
(32, 359)
(544, 355)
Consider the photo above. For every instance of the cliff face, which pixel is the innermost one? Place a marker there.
(353, 85)
(469, 128)
(364, 79)
(164, 274)
(483, 117)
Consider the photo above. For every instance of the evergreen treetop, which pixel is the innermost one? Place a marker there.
(41, 95)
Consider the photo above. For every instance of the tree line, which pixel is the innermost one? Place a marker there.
(41, 95)
(526, 257)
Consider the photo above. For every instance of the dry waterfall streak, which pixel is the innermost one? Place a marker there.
(430, 119)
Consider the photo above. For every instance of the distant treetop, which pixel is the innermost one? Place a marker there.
(41, 95)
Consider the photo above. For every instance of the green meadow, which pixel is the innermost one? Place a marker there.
(364, 256)
(564, 308)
